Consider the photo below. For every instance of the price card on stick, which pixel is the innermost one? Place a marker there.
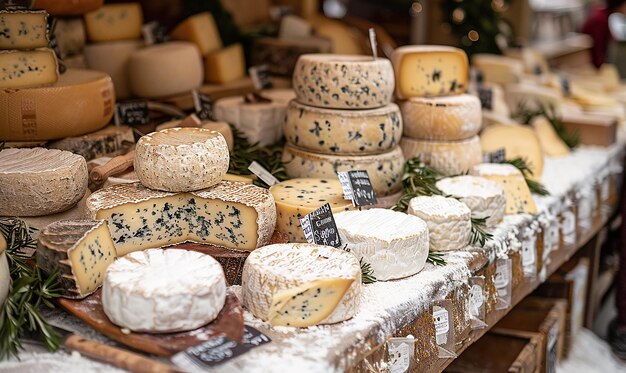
(261, 77)
(203, 105)
(320, 228)
(132, 112)
(357, 187)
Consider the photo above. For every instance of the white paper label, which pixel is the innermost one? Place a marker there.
(262, 173)
(346, 186)
(399, 357)
(501, 279)
(568, 227)
(604, 190)
(476, 300)
(547, 241)
(529, 252)
(554, 234)
(442, 324)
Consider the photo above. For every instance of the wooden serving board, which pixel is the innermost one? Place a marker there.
(229, 322)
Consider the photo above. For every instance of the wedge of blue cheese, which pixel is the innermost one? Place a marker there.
(23, 69)
(23, 29)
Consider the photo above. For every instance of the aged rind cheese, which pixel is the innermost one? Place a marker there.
(162, 291)
(301, 284)
(225, 65)
(70, 35)
(112, 58)
(260, 122)
(23, 69)
(81, 102)
(447, 157)
(23, 29)
(551, 143)
(351, 132)
(38, 181)
(112, 22)
(231, 214)
(165, 69)
(343, 81)
(221, 127)
(5, 274)
(109, 141)
(201, 30)
(281, 55)
(485, 198)
(498, 69)
(385, 169)
(67, 7)
(517, 141)
(393, 243)
(442, 118)
(518, 197)
(430, 71)
(296, 198)
(75, 213)
(80, 250)
(181, 159)
(449, 221)
(239, 178)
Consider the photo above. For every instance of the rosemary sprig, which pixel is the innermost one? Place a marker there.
(534, 186)
(418, 179)
(20, 312)
(526, 115)
(479, 235)
(436, 258)
(367, 273)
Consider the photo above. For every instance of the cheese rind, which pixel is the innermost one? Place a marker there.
(221, 127)
(442, 118)
(112, 58)
(498, 69)
(67, 7)
(38, 181)
(447, 157)
(80, 250)
(163, 291)
(385, 169)
(296, 198)
(230, 214)
(5, 274)
(23, 29)
(393, 243)
(112, 22)
(449, 221)
(430, 71)
(74, 213)
(181, 159)
(225, 65)
(23, 69)
(517, 141)
(485, 198)
(109, 141)
(350, 132)
(343, 81)
(518, 197)
(201, 30)
(272, 270)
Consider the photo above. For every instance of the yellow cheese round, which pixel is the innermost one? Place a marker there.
(551, 143)
(498, 69)
(122, 21)
(112, 58)
(517, 141)
(447, 157)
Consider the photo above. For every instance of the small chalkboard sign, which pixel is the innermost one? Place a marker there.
(132, 112)
(261, 77)
(497, 156)
(203, 105)
(320, 228)
(566, 86)
(357, 187)
(486, 98)
(154, 33)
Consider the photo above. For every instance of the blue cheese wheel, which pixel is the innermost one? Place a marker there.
(355, 132)
(343, 81)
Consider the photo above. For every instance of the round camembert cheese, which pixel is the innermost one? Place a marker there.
(393, 243)
(162, 291)
(447, 157)
(301, 285)
(485, 198)
(449, 221)
(181, 159)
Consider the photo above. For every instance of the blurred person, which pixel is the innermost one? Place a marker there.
(597, 26)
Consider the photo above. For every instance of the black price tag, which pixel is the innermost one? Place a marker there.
(357, 187)
(154, 33)
(15, 4)
(261, 77)
(497, 156)
(486, 98)
(320, 228)
(537, 70)
(132, 112)
(203, 105)
(565, 86)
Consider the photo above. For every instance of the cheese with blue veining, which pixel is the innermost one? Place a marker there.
(23, 29)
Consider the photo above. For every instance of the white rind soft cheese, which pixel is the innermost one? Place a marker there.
(449, 221)
(447, 157)
(393, 243)
(181, 159)
(162, 291)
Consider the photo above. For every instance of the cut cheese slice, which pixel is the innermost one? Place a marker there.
(551, 143)
(385, 169)
(342, 38)
(430, 71)
(67, 7)
(181, 159)
(233, 215)
(297, 198)
(343, 81)
(23, 69)
(447, 157)
(113, 22)
(532, 97)
(517, 141)
(331, 131)
(38, 181)
(492, 98)
(80, 250)
(449, 221)
(109, 141)
(165, 69)
(201, 30)
(225, 65)
(112, 58)
(498, 69)
(442, 118)
(70, 35)
(5, 274)
(81, 102)
(518, 197)
(393, 243)
(23, 29)
(294, 277)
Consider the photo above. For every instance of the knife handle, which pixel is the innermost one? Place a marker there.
(117, 357)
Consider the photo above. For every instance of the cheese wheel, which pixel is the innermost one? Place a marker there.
(447, 157)
(330, 131)
(5, 274)
(181, 159)
(81, 102)
(343, 81)
(23, 69)
(121, 21)
(165, 69)
(385, 169)
(112, 58)
(163, 291)
(518, 197)
(38, 181)
(301, 284)
(67, 7)
(430, 71)
(517, 141)
(221, 127)
(498, 69)
(442, 118)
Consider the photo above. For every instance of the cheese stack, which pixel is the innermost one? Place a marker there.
(441, 122)
(343, 119)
